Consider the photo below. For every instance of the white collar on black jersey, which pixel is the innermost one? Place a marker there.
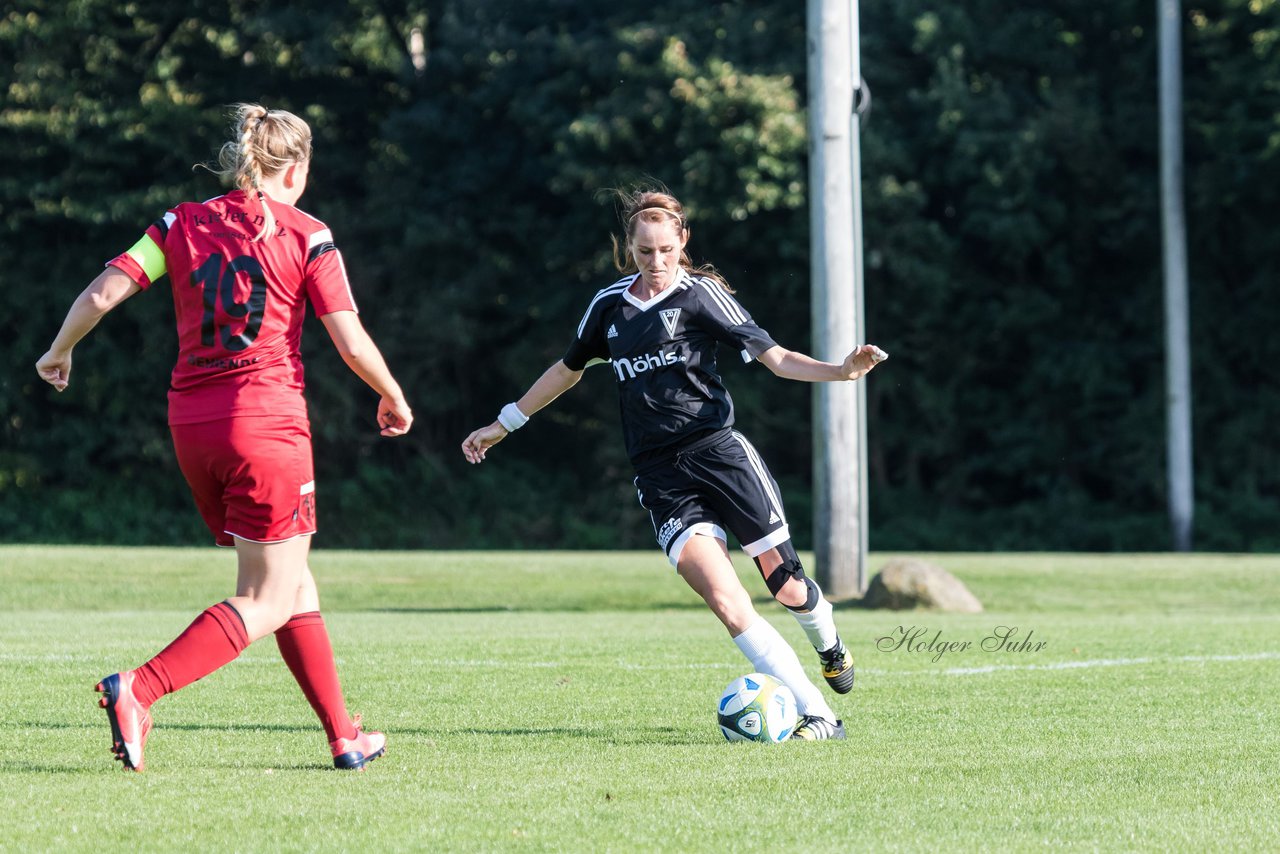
(680, 284)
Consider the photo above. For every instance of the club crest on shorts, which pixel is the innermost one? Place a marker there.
(306, 504)
(668, 530)
(670, 316)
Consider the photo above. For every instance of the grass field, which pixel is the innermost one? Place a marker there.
(564, 702)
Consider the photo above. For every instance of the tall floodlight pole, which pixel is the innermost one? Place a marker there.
(859, 314)
(835, 245)
(1174, 230)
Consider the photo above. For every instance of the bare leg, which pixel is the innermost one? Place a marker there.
(305, 647)
(307, 598)
(793, 593)
(269, 582)
(704, 564)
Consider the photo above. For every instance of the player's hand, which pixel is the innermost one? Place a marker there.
(55, 369)
(394, 416)
(860, 362)
(475, 446)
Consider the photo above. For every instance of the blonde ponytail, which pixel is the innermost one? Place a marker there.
(265, 142)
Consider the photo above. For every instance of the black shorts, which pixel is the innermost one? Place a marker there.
(716, 483)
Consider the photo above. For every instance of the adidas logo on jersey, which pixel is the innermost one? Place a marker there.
(626, 369)
(613, 331)
(773, 519)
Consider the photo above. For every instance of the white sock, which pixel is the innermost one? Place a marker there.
(819, 625)
(770, 653)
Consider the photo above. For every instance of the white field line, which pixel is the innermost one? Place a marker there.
(622, 665)
(84, 658)
(951, 671)
(721, 665)
(1109, 662)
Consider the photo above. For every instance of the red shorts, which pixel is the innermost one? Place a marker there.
(251, 476)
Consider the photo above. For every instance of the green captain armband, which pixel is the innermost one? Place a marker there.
(149, 256)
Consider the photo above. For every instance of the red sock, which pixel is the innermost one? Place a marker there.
(304, 645)
(213, 639)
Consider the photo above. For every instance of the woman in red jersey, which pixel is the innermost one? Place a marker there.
(243, 267)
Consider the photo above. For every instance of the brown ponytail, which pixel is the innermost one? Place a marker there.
(649, 205)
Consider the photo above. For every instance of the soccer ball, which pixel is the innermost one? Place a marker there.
(757, 707)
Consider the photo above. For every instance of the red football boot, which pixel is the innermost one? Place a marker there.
(130, 720)
(352, 754)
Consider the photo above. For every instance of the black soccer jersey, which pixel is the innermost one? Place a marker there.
(663, 355)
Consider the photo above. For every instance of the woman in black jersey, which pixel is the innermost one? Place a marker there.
(660, 327)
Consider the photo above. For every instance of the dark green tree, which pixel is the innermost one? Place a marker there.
(464, 154)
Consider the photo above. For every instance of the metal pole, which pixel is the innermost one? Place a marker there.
(859, 314)
(1174, 230)
(837, 472)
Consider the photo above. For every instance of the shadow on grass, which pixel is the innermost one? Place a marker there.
(549, 607)
(168, 725)
(652, 735)
(11, 766)
(641, 735)
(212, 727)
(14, 766)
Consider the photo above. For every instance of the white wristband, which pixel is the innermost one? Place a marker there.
(512, 418)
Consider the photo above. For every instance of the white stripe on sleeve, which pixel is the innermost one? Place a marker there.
(616, 287)
(727, 304)
(342, 267)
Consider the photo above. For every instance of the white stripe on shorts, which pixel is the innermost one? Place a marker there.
(768, 541)
(706, 528)
(266, 542)
(758, 466)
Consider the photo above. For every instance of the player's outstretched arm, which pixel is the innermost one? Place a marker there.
(793, 365)
(111, 287)
(362, 356)
(555, 381)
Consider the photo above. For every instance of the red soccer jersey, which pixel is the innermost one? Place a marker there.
(239, 303)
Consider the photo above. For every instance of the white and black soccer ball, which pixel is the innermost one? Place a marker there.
(757, 707)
